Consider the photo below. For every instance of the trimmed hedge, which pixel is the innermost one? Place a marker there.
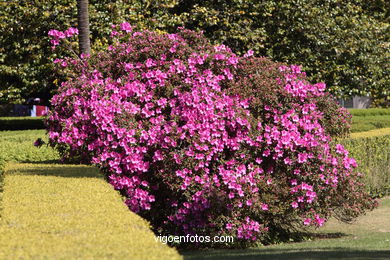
(21, 123)
(372, 133)
(373, 157)
(2, 168)
(370, 112)
(69, 212)
(56, 218)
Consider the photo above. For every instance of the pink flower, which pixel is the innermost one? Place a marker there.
(294, 204)
(302, 157)
(125, 27)
(307, 221)
(320, 221)
(249, 53)
(71, 31)
(264, 206)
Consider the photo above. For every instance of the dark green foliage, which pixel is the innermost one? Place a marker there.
(25, 56)
(373, 157)
(21, 123)
(342, 43)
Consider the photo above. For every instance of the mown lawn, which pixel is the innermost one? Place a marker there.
(369, 119)
(367, 238)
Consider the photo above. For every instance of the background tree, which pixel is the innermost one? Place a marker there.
(343, 43)
(83, 26)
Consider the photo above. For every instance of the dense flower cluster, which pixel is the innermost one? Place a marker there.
(166, 120)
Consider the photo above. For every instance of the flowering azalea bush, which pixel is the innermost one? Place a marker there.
(202, 141)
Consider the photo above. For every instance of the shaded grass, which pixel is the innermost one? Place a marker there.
(68, 212)
(367, 238)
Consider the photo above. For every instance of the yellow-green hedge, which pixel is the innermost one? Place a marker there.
(372, 152)
(69, 212)
(371, 133)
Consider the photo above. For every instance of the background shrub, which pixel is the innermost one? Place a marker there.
(172, 122)
(21, 123)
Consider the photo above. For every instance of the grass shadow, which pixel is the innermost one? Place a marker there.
(58, 170)
(294, 254)
(42, 161)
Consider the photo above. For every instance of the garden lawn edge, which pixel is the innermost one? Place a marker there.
(69, 212)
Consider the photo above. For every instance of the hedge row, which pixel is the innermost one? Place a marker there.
(42, 195)
(70, 212)
(370, 112)
(373, 156)
(18, 146)
(21, 123)
(372, 133)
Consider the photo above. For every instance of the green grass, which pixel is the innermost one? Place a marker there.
(69, 212)
(367, 238)
(369, 119)
(370, 112)
(18, 146)
(367, 123)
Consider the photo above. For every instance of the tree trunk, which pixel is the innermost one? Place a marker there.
(83, 26)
